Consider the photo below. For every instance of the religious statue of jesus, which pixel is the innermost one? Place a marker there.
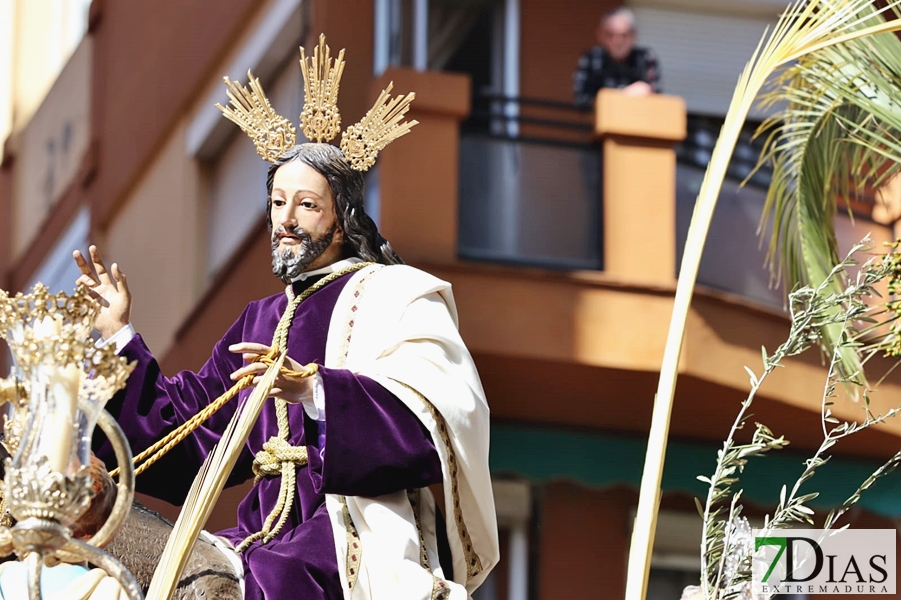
(371, 458)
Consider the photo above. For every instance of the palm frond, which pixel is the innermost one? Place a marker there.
(837, 138)
(207, 486)
(806, 26)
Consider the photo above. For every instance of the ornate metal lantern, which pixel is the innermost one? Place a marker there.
(56, 393)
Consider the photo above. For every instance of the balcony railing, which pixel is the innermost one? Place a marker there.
(734, 257)
(734, 254)
(697, 148)
(530, 185)
(530, 194)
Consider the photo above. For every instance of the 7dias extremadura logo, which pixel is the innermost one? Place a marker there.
(816, 561)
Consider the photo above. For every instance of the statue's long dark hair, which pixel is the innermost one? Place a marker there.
(361, 236)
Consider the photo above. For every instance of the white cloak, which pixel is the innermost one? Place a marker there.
(398, 326)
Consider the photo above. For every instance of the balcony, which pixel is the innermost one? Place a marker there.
(734, 256)
(530, 186)
(530, 195)
(569, 307)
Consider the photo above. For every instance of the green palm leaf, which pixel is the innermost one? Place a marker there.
(838, 137)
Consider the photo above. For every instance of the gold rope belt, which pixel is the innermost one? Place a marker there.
(155, 452)
(278, 456)
(268, 462)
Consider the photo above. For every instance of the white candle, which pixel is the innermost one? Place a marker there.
(64, 386)
(18, 333)
(48, 327)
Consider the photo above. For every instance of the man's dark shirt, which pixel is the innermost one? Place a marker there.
(597, 70)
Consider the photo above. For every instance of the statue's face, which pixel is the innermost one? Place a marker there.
(305, 232)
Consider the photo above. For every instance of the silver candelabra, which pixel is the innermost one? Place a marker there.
(55, 395)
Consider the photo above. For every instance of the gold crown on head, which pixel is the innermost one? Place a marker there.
(320, 120)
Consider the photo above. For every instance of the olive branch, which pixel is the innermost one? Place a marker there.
(853, 309)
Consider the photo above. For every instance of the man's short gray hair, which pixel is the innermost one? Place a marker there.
(621, 11)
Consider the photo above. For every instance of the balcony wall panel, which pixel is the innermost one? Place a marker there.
(593, 320)
(530, 202)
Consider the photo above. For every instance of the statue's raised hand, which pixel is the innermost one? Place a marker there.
(109, 287)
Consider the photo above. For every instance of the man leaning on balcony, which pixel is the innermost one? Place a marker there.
(615, 62)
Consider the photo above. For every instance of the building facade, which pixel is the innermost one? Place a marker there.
(560, 231)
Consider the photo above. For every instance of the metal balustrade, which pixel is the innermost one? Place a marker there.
(530, 185)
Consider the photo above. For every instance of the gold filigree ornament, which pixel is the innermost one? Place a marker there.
(70, 316)
(362, 142)
(39, 491)
(47, 334)
(250, 110)
(320, 120)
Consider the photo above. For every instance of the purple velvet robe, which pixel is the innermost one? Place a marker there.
(372, 444)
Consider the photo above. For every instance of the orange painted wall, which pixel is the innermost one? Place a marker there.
(349, 24)
(419, 187)
(554, 34)
(6, 180)
(584, 541)
(149, 61)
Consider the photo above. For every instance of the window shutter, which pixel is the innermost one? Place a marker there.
(701, 55)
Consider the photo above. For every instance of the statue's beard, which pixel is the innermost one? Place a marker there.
(287, 264)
